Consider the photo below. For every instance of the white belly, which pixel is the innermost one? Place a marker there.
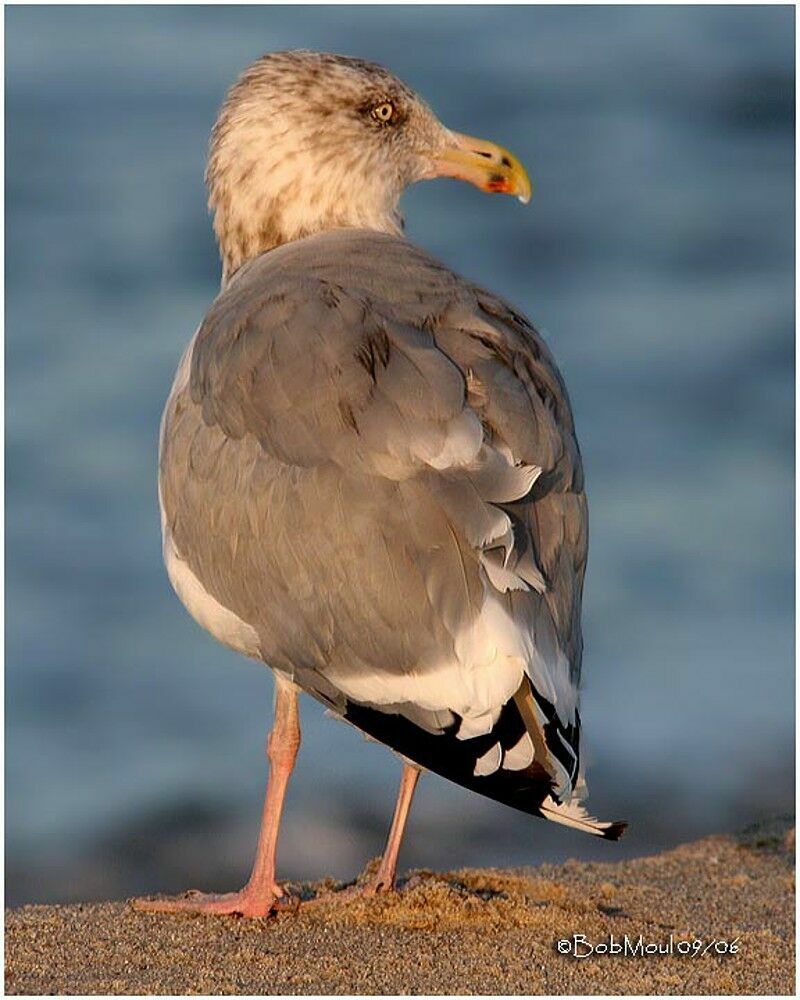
(222, 623)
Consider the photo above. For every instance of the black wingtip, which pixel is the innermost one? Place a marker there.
(615, 830)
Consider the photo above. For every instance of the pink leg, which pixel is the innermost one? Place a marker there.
(262, 893)
(384, 879)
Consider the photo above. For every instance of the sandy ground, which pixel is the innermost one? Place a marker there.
(465, 932)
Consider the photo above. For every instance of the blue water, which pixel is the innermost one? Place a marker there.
(658, 256)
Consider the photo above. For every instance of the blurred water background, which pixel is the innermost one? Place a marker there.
(658, 256)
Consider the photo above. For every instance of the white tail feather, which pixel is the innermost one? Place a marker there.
(573, 814)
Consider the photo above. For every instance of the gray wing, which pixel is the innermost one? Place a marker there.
(367, 451)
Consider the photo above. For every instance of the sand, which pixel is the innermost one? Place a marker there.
(464, 932)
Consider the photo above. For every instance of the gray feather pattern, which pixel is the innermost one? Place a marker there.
(296, 472)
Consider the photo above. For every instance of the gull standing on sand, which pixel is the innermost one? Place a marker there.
(369, 477)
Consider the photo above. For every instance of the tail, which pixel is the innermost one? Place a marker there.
(558, 748)
(573, 814)
(530, 790)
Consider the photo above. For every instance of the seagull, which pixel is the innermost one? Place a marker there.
(369, 478)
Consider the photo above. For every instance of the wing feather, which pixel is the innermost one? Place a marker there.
(369, 452)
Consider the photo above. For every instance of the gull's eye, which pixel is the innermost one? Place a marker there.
(384, 113)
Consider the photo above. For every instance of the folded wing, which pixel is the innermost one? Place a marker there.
(392, 453)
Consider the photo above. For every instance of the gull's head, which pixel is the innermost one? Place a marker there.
(307, 142)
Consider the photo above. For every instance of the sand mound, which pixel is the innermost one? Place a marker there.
(716, 916)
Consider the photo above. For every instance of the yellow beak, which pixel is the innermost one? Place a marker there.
(484, 164)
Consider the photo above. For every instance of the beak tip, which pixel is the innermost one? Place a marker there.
(485, 164)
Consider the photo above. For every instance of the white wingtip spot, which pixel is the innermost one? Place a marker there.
(520, 755)
(477, 725)
(489, 762)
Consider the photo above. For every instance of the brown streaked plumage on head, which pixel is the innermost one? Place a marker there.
(369, 477)
(300, 146)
